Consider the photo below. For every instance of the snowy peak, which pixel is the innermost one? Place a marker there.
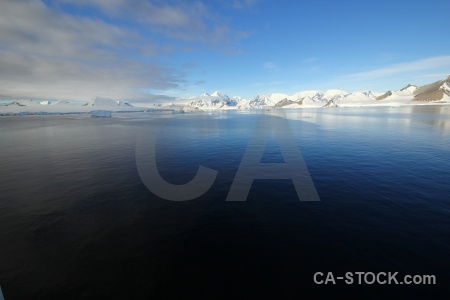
(410, 88)
(215, 94)
(218, 94)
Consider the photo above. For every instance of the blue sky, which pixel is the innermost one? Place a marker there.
(150, 50)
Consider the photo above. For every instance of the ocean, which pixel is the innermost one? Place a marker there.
(78, 221)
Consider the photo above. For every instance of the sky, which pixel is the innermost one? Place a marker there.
(153, 51)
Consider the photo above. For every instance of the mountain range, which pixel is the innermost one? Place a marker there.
(434, 93)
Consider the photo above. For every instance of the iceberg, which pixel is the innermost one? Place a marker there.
(100, 114)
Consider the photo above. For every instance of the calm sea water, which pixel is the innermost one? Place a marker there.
(77, 222)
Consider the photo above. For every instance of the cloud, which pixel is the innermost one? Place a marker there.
(47, 52)
(439, 75)
(190, 21)
(432, 63)
(35, 76)
(270, 66)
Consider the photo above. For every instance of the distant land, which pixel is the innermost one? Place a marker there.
(434, 93)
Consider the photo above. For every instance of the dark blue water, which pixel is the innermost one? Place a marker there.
(77, 222)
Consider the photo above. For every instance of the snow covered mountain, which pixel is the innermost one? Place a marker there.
(303, 99)
(214, 100)
(437, 92)
(405, 94)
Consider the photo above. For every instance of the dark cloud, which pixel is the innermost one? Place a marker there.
(48, 53)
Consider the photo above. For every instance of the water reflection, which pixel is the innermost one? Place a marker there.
(435, 115)
(360, 119)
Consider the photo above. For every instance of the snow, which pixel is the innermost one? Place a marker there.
(333, 93)
(411, 88)
(364, 98)
(217, 100)
(445, 99)
(262, 101)
(311, 94)
(311, 103)
(445, 87)
(277, 97)
(218, 94)
(398, 98)
(12, 107)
